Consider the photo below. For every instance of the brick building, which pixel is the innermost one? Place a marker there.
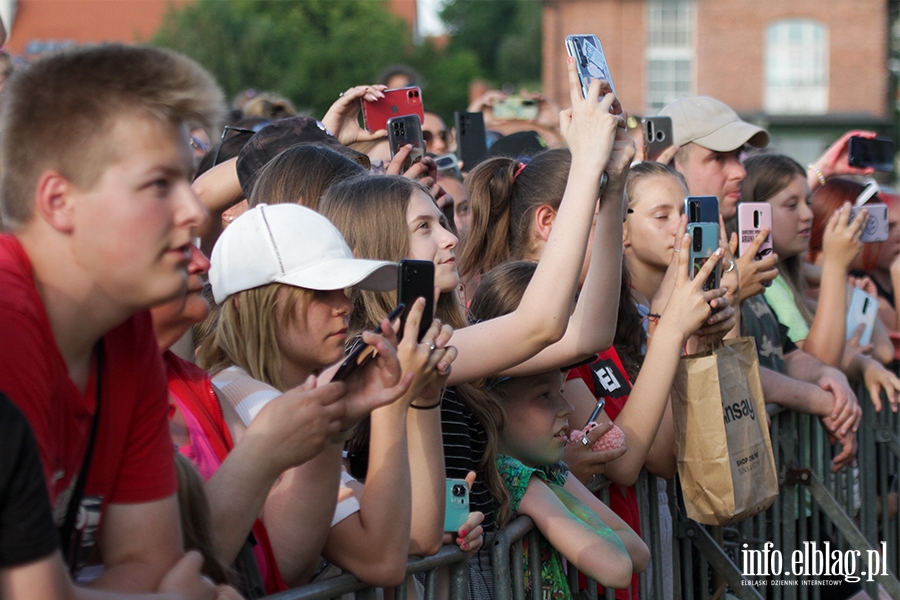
(805, 69)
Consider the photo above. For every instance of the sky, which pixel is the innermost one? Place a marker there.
(429, 21)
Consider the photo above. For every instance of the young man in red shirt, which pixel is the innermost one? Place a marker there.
(97, 204)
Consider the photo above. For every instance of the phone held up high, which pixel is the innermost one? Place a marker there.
(590, 61)
(702, 209)
(396, 103)
(877, 153)
(704, 242)
(471, 138)
(416, 280)
(657, 135)
(406, 130)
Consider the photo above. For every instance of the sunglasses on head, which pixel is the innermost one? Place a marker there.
(237, 131)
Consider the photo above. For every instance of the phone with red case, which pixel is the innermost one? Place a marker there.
(753, 217)
(396, 103)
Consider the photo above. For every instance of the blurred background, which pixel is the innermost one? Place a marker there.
(807, 70)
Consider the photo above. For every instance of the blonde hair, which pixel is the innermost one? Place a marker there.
(59, 113)
(246, 335)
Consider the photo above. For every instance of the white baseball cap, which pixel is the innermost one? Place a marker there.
(712, 124)
(294, 245)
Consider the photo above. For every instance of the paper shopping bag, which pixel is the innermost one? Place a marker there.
(725, 459)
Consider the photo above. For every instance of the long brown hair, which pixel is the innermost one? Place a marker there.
(371, 214)
(767, 175)
(503, 197)
(301, 174)
(196, 520)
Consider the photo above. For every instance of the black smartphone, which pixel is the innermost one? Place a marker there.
(702, 209)
(877, 153)
(361, 353)
(657, 135)
(406, 130)
(471, 138)
(415, 280)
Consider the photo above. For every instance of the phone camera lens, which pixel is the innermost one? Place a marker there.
(698, 239)
(459, 490)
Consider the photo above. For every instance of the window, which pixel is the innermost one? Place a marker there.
(670, 51)
(796, 67)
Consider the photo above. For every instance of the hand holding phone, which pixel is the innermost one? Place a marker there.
(592, 419)
(406, 130)
(753, 217)
(704, 242)
(457, 507)
(362, 353)
(416, 280)
(590, 61)
(877, 153)
(395, 103)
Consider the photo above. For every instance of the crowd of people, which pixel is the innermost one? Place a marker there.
(181, 281)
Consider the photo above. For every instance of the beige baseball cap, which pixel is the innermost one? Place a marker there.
(712, 124)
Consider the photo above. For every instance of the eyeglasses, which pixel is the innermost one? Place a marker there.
(445, 135)
(238, 130)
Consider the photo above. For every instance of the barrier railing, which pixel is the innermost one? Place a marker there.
(855, 511)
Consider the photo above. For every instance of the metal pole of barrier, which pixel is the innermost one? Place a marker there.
(843, 522)
(715, 555)
(655, 538)
(501, 557)
(534, 560)
(459, 580)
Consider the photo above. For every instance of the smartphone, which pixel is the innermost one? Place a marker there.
(471, 138)
(589, 60)
(876, 227)
(415, 280)
(448, 163)
(406, 130)
(396, 103)
(863, 311)
(457, 507)
(657, 135)
(597, 410)
(753, 217)
(877, 153)
(515, 108)
(361, 353)
(702, 209)
(704, 241)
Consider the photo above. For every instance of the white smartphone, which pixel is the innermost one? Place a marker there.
(863, 311)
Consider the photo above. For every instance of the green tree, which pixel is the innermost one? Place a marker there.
(308, 51)
(505, 35)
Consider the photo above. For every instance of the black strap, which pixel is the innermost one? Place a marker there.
(71, 542)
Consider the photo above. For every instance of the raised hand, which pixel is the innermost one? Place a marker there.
(342, 117)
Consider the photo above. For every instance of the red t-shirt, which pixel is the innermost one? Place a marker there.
(133, 458)
(615, 387)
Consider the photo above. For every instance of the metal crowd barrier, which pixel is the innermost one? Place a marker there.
(853, 511)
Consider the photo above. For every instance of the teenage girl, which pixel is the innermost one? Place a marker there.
(781, 181)
(280, 273)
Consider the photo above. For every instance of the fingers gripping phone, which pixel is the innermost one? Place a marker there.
(704, 242)
(863, 311)
(396, 103)
(752, 218)
(457, 507)
(590, 62)
(876, 227)
(362, 353)
(657, 135)
(416, 280)
(406, 130)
